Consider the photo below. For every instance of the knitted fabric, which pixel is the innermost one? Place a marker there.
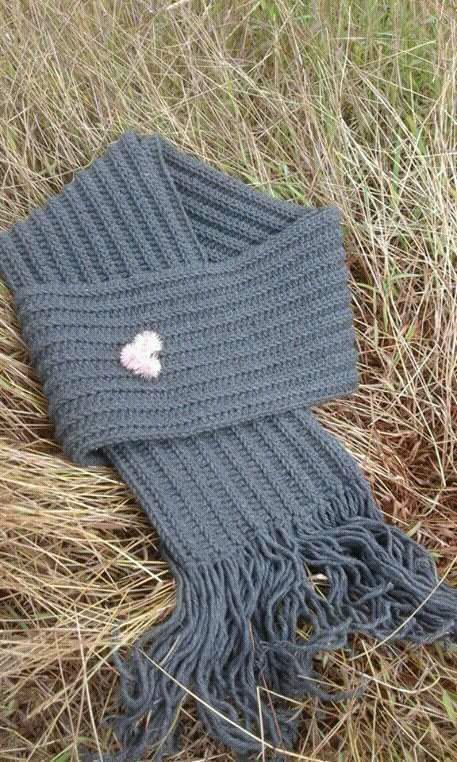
(251, 497)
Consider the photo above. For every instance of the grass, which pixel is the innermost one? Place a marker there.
(348, 103)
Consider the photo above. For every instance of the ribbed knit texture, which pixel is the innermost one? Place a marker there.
(264, 332)
(249, 296)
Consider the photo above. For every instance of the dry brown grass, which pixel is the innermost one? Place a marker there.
(354, 106)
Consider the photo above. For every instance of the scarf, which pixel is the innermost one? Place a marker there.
(182, 324)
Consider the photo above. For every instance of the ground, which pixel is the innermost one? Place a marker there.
(338, 102)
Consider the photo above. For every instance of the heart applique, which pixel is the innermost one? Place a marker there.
(141, 356)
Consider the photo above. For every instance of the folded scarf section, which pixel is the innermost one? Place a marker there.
(238, 304)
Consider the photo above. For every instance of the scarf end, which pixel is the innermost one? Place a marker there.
(232, 641)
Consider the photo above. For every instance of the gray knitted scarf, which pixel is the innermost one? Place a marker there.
(182, 324)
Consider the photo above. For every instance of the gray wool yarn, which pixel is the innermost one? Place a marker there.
(182, 325)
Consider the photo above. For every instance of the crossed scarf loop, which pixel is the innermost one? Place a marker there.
(182, 324)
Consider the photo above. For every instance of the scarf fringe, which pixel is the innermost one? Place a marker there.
(234, 631)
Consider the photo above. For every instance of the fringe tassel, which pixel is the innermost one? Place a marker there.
(235, 622)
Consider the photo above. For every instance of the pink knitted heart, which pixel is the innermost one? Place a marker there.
(141, 355)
